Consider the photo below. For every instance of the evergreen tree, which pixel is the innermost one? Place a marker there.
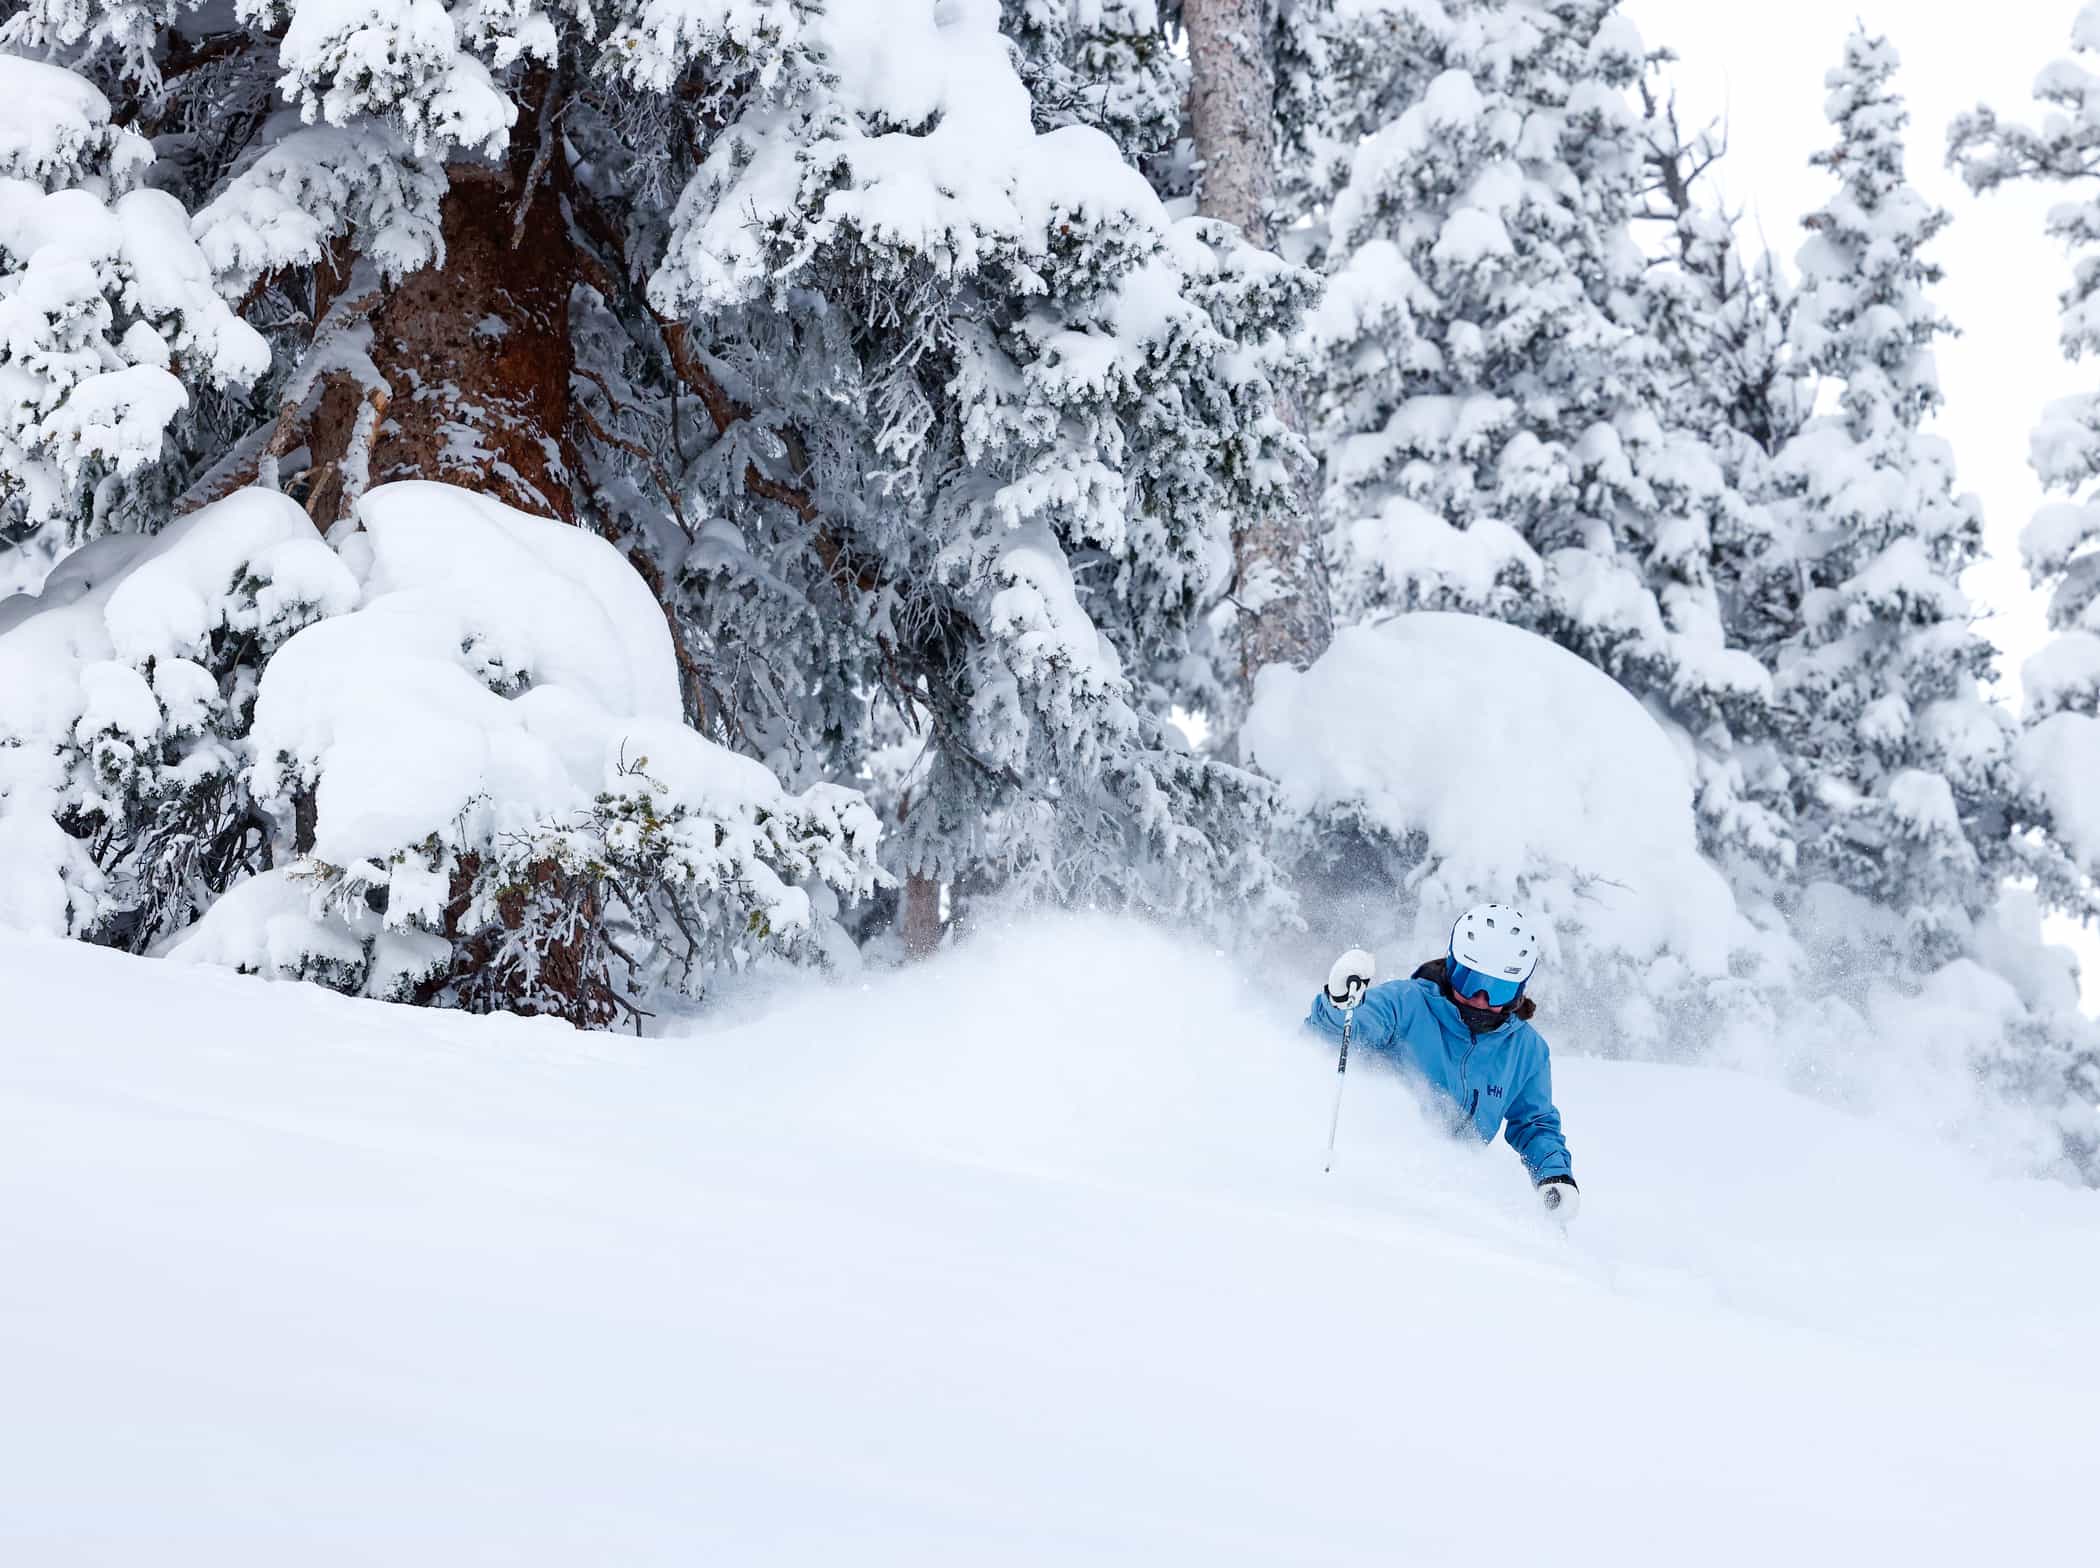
(2059, 751)
(1716, 330)
(1723, 316)
(1499, 427)
(2049, 787)
(913, 406)
(1280, 588)
(1140, 52)
(1898, 753)
(109, 322)
(1110, 64)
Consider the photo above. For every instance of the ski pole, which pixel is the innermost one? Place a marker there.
(1341, 1069)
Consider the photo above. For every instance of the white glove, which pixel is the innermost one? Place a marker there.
(1561, 1197)
(1350, 977)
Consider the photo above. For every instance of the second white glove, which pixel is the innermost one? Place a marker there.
(1350, 977)
(1560, 1197)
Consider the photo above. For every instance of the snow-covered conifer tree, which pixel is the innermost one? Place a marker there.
(1714, 327)
(1239, 146)
(1721, 314)
(1280, 581)
(108, 314)
(1023, 528)
(1110, 64)
(2059, 751)
(911, 403)
(2056, 758)
(1499, 431)
(1434, 315)
(1898, 754)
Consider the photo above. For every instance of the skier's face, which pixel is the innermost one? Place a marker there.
(1479, 1017)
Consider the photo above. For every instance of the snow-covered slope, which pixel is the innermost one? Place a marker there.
(1023, 1257)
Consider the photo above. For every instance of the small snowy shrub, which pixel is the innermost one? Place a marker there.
(485, 796)
(456, 773)
(126, 692)
(637, 890)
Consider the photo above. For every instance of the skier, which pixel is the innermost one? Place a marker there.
(1463, 1024)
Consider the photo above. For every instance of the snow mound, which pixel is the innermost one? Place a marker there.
(497, 664)
(493, 741)
(1525, 772)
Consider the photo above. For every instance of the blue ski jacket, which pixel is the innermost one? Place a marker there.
(1503, 1078)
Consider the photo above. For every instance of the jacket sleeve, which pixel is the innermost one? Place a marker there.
(1532, 1127)
(1380, 1017)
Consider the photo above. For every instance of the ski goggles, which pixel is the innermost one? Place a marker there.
(1468, 982)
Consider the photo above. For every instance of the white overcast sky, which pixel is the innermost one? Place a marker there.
(1760, 67)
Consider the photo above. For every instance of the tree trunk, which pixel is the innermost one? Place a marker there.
(919, 910)
(478, 355)
(473, 356)
(1232, 105)
(1280, 581)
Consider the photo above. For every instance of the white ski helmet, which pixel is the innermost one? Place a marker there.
(1497, 942)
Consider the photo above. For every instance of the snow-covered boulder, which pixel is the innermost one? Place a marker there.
(1477, 760)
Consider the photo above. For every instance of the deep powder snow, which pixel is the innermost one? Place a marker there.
(1024, 1256)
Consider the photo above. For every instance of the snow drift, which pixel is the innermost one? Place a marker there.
(1483, 761)
(1024, 1256)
